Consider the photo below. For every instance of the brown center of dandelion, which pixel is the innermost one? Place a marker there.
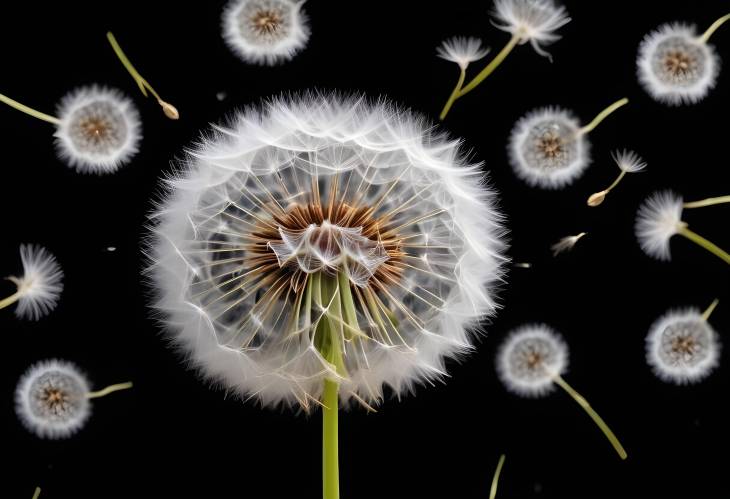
(266, 22)
(550, 146)
(534, 359)
(54, 397)
(684, 345)
(677, 62)
(94, 129)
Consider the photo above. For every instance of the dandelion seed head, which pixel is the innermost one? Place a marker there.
(265, 31)
(529, 358)
(40, 286)
(50, 399)
(628, 161)
(675, 67)
(682, 347)
(658, 219)
(462, 50)
(547, 150)
(535, 21)
(100, 130)
(341, 195)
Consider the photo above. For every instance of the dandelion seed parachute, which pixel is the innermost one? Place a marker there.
(266, 32)
(627, 162)
(682, 347)
(658, 219)
(531, 20)
(462, 50)
(316, 212)
(40, 286)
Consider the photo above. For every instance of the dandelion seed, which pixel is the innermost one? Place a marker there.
(682, 347)
(676, 66)
(40, 286)
(628, 162)
(534, 21)
(321, 248)
(660, 217)
(97, 131)
(265, 31)
(532, 360)
(548, 148)
(566, 244)
(462, 50)
(52, 399)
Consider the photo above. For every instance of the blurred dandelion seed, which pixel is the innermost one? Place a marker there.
(167, 108)
(40, 286)
(675, 66)
(548, 148)
(533, 21)
(97, 131)
(628, 162)
(531, 361)
(566, 244)
(660, 217)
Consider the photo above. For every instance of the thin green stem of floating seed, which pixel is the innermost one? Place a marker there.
(10, 299)
(709, 246)
(495, 478)
(454, 94)
(708, 312)
(707, 202)
(37, 493)
(713, 27)
(603, 115)
(109, 389)
(489, 68)
(29, 110)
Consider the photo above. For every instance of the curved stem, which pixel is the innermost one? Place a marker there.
(713, 27)
(602, 116)
(709, 246)
(109, 389)
(29, 110)
(593, 414)
(489, 68)
(615, 182)
(598, 197)
(707, 202)
(37, 493)
(454, 95)
(708, 312)
(10, 299)
(495, 478)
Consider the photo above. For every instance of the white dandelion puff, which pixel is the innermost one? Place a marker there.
(40, 286)
(548, 148)
(660, 217)
(532, 360)
(676, 66)
(534, 21)
(682, 347)
(628, 162)
(265, 31)
(52, 398)
(566, 243)
(462, 50)
(97, 129)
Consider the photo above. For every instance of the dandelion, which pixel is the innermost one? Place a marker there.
(548, 148)
(627, 162)
(660, 217)
(534, 21)
(566, 244)
(321, 248)
(682, 347)
(167, 108)
(97, 131)
(532, 360)
(52, 398)
(265, 31)
(40, 286)
(675, 66)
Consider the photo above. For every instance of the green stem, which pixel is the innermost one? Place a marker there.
(593, 414)
(495, 478)
(454, 95)
(707, 313)
(109, 389)
(713, 27)
(493, 64)
(29, 110)
(711, 247)
(603, 115)
(10, 299)
(707, 202)
(330, 457)
(37, 493)
(615, 182)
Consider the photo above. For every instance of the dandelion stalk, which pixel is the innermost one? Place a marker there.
(29, 110)
(713, 27)
(454, 94)
(603, 115)
(10, 299)
(709, 246)
(593, 414)
(109, 389)
(708, 312)
(495, 478)
(707, 202)
(37, 493)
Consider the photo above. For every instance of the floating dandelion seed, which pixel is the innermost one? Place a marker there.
(98, 129)
(265, 31)
(167, 108)
(52, 398)
(548, 148)
(462, 50)
(322, 248)
(628, 162)
(660, 217)
(676, 66)
(566, 244)
(682, 347)
(531, 362)
(533, 21)
(40, 286)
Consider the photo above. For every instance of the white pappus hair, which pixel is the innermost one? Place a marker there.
(265, 31)
(322, 188)
(461, 50)
(682, 347)
(547, 149)
(100, 130)
(675, 66)
(40, 286)
(531, 20)
(50, 399)
(658, 219)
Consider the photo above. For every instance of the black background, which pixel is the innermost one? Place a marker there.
(173, 437)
